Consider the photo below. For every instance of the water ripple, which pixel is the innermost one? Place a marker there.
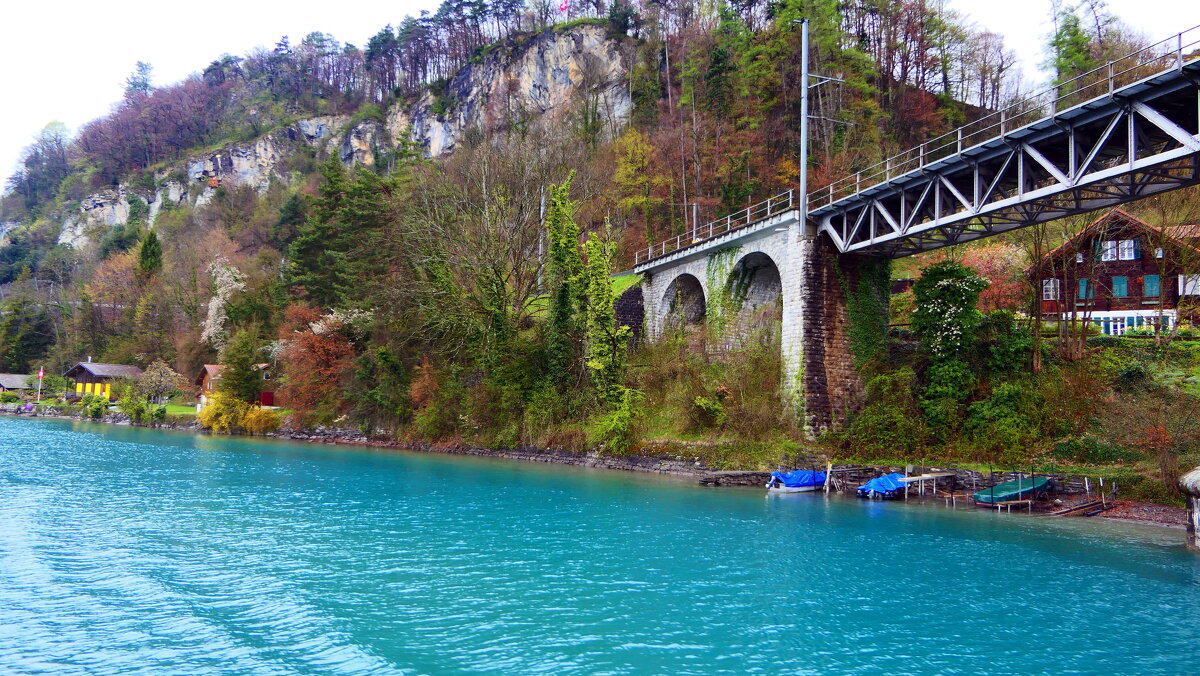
(127, 551)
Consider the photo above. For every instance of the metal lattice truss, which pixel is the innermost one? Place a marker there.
(1140, 140)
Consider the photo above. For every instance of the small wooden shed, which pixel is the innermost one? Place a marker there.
(14, 382)
(97, 378)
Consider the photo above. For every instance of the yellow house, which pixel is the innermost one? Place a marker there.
(97, 378)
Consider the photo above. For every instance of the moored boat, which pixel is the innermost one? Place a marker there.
(1017, 489)
(884, 487)
(799, 481)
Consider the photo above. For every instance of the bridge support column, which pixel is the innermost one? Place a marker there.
(820, 365)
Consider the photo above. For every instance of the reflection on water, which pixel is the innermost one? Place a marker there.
(136, 551)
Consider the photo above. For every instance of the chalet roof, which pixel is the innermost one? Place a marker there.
(1184, 231)
(14, 381)
(213, 370)
(1111, 220)
(105, 370)
(210, 370)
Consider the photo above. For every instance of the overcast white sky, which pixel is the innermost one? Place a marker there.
(67, 61)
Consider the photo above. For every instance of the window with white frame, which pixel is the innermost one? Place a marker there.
(1127, 250)
(1108, 250)
(1078, 258)
(1158, 253)
(1189, 285)
(1050, 289)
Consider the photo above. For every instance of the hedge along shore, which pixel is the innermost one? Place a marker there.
(676, 464)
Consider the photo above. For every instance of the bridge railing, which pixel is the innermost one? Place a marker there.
(756, 212)
(1146, 62)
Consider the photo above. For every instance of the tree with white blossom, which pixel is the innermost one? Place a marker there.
(227, 281)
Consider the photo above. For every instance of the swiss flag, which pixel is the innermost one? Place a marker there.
(41, 372)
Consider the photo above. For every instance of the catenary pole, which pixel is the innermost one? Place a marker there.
(804, 122)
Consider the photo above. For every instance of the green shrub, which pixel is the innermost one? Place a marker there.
(1089, 450)
(1010, 346)
(1001, 425)
(1139, 487)
(615, 431)
(708, 412)
(890, 425)
(367, 111)
(9, 397)
(94, 405)
(950, 383)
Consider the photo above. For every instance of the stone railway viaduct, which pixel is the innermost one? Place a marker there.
(814, 262)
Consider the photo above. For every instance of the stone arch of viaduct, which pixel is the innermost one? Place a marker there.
(778, 268)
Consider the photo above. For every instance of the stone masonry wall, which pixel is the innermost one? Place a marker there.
(832, 387)
(820, 382)
(630, 309)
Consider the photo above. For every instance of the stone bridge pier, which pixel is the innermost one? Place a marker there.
(776, 272)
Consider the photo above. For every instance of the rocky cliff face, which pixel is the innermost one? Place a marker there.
(255, 164)
(545, 80)
(542, 82)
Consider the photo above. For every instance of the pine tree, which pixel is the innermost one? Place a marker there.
(1070, 50)
(150, 255)
(241, 377)
(317, 256)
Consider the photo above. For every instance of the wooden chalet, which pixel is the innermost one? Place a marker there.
(1120, 273)
(206, 383)
(14, 382)
(96, 378)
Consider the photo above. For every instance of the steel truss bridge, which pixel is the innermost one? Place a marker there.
(1123, 132)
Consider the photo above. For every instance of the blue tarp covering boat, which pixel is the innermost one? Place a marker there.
(800, 478)
(885, 486)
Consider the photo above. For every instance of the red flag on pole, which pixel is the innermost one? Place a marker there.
(563, 6)
(41, 372)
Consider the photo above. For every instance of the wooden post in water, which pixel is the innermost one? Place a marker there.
(1190, 485)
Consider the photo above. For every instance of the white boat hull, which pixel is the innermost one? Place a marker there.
(794, 489)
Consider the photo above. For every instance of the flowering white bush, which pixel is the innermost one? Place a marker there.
(354, 321)
(227, 280)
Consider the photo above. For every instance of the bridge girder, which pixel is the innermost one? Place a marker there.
(1138, 141)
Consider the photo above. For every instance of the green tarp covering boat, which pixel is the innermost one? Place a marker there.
(1017, 489)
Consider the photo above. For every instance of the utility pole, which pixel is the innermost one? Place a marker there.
(541, 236)
(804, 122)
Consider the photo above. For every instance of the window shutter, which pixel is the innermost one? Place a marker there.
(1151, 287)
(1137, 249)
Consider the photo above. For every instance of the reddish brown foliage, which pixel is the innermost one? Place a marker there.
(1001, 265)
(315, 365)
(424, 386)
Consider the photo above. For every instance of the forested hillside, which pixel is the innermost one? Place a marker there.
(417, 233)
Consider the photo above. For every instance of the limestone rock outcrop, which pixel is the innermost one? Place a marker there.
(542, 82)
(546, 79)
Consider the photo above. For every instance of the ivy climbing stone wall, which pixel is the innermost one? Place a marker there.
(631, 311)
(845, 324)
(832, 309)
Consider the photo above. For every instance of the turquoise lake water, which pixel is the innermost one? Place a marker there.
(136, 551)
